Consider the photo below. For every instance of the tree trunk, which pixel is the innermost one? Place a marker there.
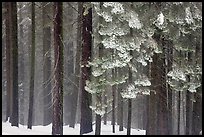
(73, 93)
(130, 100)
(57, 123)
(169, 58)
(197, 105)
(157, 107)
(99, 95)
(8, 60)
(98, 118)
(120, 105)
(129, 104)
(22, 68)
(86, 112)
(189, 103)
(47, 115)
(113, 102)
(14, 41)
(32, 71)
(78, 59)
(160, 88)
(197, 113)
(106, 108)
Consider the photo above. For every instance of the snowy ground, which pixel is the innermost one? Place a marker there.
(7, 129)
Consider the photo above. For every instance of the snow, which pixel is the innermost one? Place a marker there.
(189, 18)
(7, 129)
(160, 19)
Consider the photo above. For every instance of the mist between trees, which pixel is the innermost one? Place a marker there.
(136, 64)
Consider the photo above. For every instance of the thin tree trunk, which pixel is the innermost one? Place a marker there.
(169, 57)
(120, 104)
(197, 105)
(129, 106)
(14, 41)
(106, 108)
(113, 102)
(57, 123)
(189, 113)
(189, 104)
(78, 58)
(8, 60)
(47, 118)
(22, 67)
(32, 71)
(86, 112)
(152, 102)
(197, 113)
(74, 93)
(98, 118)
(130, 100)
(99, 95)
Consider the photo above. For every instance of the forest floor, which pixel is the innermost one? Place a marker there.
(7, 129)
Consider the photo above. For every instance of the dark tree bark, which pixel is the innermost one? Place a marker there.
(14, 41)
(57, 123)
(86, 113)
(106, 109)
(189, 103)
(99, 95)
(98, 118)
(197, 113)
(32, 71)
(129, 119)
(157, 108)
(197, 105)
(169, 57)
(8, 60)
(160, 87)
(120, 104)
(47, 64)
(151, 107)
(113, 102)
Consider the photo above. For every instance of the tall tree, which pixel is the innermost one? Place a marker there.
(21, 67)
(129, 103)
(47, 63)
(99, 95)
(189, 103)
(197, 105)
(158, 119)
(130, 80)
(8, 60)
(86, 114)
(113, 101)
(14, 43)
(32, 70)
(78, 57)
(120, 104)
(57, 123)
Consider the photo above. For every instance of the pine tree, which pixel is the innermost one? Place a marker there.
(8, 61)
(57, 121)
(31, 97)
(14, 45)
(86, 114)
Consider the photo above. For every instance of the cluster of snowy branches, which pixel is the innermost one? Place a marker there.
(130, 26)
